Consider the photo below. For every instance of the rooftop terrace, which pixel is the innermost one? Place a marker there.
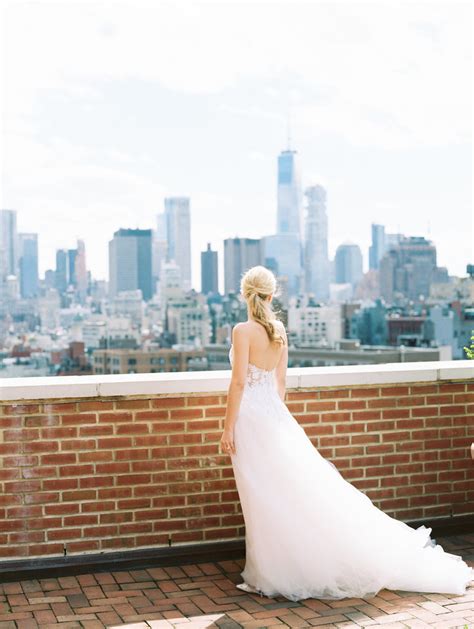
(203, 595)
(116, 483)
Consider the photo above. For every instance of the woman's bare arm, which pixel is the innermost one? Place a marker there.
(240, 361)
(280, 372)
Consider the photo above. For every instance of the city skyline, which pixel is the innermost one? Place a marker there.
(264, 239)
(94, 142)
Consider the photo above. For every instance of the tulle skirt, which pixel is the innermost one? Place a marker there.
(309, 533)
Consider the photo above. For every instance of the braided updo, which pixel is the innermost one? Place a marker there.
(256, 285)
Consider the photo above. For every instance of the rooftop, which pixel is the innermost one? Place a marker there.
(203, 595)
(119, 510)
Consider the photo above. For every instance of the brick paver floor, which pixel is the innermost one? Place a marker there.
(204, 595)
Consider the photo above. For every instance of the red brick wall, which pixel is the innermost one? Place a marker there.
(118, 473)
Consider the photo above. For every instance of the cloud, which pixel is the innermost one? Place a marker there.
(63, 191)
(408, 62)
(378, 75)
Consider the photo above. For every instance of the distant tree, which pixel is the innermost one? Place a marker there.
(470, 350)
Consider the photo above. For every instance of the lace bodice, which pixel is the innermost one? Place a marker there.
(256, 375)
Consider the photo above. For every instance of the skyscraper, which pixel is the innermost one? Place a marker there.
(209, 271)
(178, 228)
(130, 262)
(170, 284)
(283, 252)
(8, 244)
(71, 270)
(71, 266)
(316, 260)
(161, 229)
(407, 269)
(61, 277)
(240, 254)
(348, 260)
(289, 194)
(81, 270)
(378, 246)
(285, 247)
(28, 264)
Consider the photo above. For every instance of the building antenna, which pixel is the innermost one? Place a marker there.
(288, 128)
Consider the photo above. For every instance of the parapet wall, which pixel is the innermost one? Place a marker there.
(99, 463)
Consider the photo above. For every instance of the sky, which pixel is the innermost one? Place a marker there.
(107, 108)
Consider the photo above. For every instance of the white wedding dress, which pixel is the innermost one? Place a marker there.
(309, 533)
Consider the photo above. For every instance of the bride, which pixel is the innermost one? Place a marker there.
(308, 532)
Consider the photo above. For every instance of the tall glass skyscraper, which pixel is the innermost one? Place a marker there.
(28, 263)
(240, 254)
(61, 277)
(289, 193)
(316, 260)
(378, 246)
(209, 271)
(178, 230)
(285, 247)
(283, 250)
(130, 262)
(8, 244)
(348, 261)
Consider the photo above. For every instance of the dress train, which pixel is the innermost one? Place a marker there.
(309, 533)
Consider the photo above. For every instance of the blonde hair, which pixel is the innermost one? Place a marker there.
(256, 285)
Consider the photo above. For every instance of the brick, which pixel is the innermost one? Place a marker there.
(20, 434)
(131, 404)
(168, 402)
(395, 413)
(133, 429)
(79, 444)
(96, 430)
(119, 416)
(359, 392)
(320, 406)
(396, 436)
(96, 481)
(21, 409)
(424, 388)
(394, 391)
(78, 418)
(41, 420)
(365, 438)
(351, 404)
(379, 470)
(58, 459)
(426, 411)
(168, 426)
(40, 446)
(203, 425)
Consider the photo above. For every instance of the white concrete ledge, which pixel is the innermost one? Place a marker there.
(64, 387)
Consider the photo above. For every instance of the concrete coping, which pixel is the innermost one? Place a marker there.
(175, 383)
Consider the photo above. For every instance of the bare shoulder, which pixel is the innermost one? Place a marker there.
(240, 329)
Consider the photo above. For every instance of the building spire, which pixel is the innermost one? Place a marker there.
(288, 128)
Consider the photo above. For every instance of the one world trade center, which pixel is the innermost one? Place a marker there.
(285, 247)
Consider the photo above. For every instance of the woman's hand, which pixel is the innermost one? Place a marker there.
(227, 441)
